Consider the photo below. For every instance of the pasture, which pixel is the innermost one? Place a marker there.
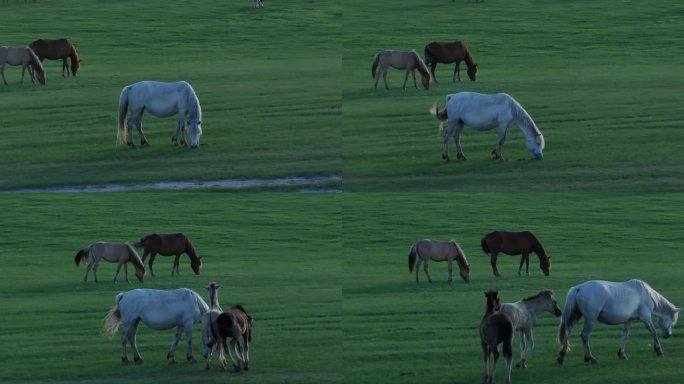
(395, 331)
(600, 79)
(280, 262)
(268, 81)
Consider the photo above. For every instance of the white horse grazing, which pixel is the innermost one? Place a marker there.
(524, 315)
(258, 4)
(161, 100)
(615, 303)
(158, 309)
(484, 112)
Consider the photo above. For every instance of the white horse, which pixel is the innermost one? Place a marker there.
(615, 303)
(258, 4)
(161, 100)
(524, 315)
(484, 112)
(158, 309)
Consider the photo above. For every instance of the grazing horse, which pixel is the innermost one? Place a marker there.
(258, 4)
(120, 253)
(447, 53)
(408, 60)
(614, 303)
(524, 315)
(515, 243)
(483, 112)
(59, 49)
(210, 337)
(24, 57)
(496, 328)
(161, 100)
(438, 250)
(171, 244)
(158, 309)
(235, 323)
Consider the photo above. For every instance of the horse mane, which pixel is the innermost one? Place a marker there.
(73, 54)
(241, 308)
(470, 62)
(192, 252)
(523, 119)
(538, 295)
(659, 300)
(135, 258)
(537, 245)
(460, 256)
(422, 68)
(35, 61)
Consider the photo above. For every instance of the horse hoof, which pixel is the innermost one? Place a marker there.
(560, 360)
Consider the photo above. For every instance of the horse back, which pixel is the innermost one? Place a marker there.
(436, 249)
(445, 52)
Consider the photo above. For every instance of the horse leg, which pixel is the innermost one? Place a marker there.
(450, 279)
(152, 256)
(418, 268)
(495, 359)
(656, 342)
(496, 153)
(234, 347)
(457, 72)
(508, 355)
(527, 264)
(174, 138)
(384, 77)
(405, 80)
(96, 263)
(188, 335)
(523, 347)
(623, 340)
(126, 271)
(485, 353)
(129, 127)
(124, 341)
(2, 72)
(457, 140)
(413, 73)
(245, 351)
(445, 150)
(181, 125)
(228, 351)
(427, 270)
(138, 125)
(522, 261)
(175, 266)
(23, 69)
(88, 268)
(64, 66)
(493, 261)
(433, 66)
(171, 355)
(117, 271)
(588, 325)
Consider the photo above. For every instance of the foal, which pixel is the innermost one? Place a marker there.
(495, 328)
(235, 323)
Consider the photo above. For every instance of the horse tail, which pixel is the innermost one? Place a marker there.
(440, 115)
(484, 245)
(429, 57)
(412, 257)
(113, 318)
(35, 61)
(82, 256)
(571, 315)
(374, 66)
(123, 109)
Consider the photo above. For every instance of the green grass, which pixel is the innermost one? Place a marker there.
(398, 332)
(599, 78)
(266, 250)
(268, 82)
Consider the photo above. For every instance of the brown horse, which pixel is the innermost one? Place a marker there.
(24, 57)
(120, 253)
(438, 250)
(408, 60)
(167, 245)
(496, 328)
(447, 53)
(516, 243)
(56, 50)
(235, 323)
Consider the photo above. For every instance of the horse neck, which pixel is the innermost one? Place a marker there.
(420, 65)
(135, 259)
(467, 57)
(213, 297)
(460, 256)
(523, 119)
(538, 248)
(73, 55)
(191, 251)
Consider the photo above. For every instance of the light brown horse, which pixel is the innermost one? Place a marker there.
(59, 49)
(24, 57)
(496, 328)
(210, 336)
(524, 315)
(516, 243)
(170, 244)
(235, 323)
(438, 250)
(447, 53)
(408, 60)
(120, 253)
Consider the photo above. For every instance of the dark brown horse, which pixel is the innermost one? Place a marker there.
(516, 243)
(447, 53)
(496, 328)
(56, 50)
(171, 244)
(235, 323)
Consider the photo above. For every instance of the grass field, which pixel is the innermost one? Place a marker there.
(599, 78)
(398, 332)
(268, 253)
(268, 82)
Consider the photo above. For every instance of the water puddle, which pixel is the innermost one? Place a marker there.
(307, 184)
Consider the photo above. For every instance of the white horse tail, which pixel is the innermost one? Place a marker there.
(412, 257)
(113, 318)
(123, 109)
(374, 66)
(571, 315)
